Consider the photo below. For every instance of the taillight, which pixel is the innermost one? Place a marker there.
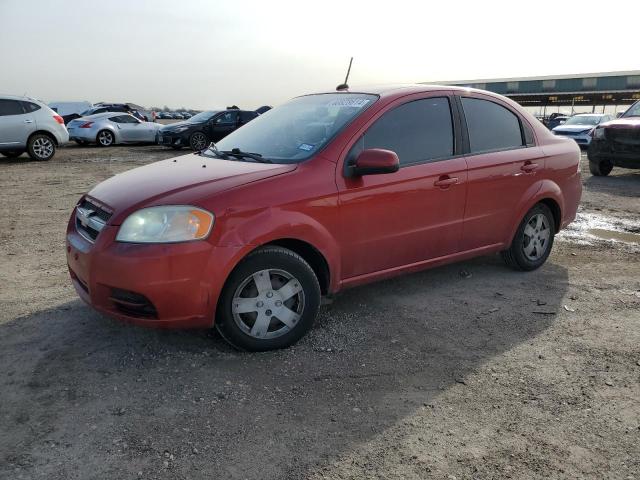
(59, 119)
(86, 125)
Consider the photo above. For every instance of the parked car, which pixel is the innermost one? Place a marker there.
(29, 125)
(186, 115)
(616, 143)
(164, 115)
(178, 116)
(70, 108)
(203, 128)
(579, 126)
(263, 109)
(557, 120)
(325, 192)
(98, 108)
(110, 128)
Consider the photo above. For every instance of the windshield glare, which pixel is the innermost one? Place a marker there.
(203, 116)
(584, 120)
(298, 129)
(634, 110)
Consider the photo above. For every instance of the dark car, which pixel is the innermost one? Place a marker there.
(203, 128)
(616, 143)
(556, 121)
(102, 108)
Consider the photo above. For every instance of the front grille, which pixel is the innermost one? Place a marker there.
(132, 304)
(91, 218)
(623, 140)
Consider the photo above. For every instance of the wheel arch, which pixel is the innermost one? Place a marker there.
(44, 132)
(116, 137)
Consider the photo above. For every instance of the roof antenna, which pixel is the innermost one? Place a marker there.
(344, 86)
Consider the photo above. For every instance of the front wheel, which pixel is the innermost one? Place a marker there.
(533, 240)
(12, 153)
(269, 301)
(198, 141)
(600, 168)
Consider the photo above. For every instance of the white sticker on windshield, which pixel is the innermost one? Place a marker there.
(349, 102)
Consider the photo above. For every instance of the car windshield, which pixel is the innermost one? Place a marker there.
(584, 120)
(298, 129)
(204, 116)
(634, 110)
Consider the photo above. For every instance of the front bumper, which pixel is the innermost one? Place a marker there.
(172, 140)
(158, 285)
(583, 139)
(624, 156)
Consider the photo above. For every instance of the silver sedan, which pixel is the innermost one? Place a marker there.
(111, 128)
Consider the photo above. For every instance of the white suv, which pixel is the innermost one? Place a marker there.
(29, 125)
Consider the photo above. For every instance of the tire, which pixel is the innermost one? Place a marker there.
(41, 147)
(12, 153)
(198, 141)
(238, 317)
(531, 246)
(105, 138)
(600, 168)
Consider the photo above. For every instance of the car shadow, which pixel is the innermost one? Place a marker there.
(82, 396)
(621, 182)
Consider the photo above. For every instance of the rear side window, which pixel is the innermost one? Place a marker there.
(417, 131)
(123, 119)
(491, 126)
(10, 107)
(246, 116)
(30, 107)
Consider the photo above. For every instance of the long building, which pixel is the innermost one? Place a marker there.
(589, 89)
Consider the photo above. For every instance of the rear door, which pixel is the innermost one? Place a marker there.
(504, 165)
(415, 214)
(15, 124)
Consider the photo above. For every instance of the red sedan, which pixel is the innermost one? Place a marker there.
(325, 192)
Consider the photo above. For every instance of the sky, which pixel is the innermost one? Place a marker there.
(205, 54)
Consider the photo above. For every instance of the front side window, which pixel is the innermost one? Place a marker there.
(491, 126)
(417, 131)
(228, 118)
(10, 107)
(298, 129)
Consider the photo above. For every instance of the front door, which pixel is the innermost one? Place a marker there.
(15, 124)
(415, 214)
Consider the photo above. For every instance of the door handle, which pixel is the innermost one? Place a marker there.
(28, 121)
(529, 167)
(445, 181)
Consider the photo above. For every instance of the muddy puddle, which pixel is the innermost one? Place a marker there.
(590, 228)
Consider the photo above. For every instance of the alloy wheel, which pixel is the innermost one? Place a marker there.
(536, 237)
(198, 141)
(105, 138)
(268, 303)
(43, 147)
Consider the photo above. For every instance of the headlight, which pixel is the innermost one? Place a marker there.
(181, 129)
(597, 132)
(166, 224)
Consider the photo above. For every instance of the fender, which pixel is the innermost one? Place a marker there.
(540, 190)
(276, 223)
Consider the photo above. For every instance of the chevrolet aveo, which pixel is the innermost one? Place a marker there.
(325, 192)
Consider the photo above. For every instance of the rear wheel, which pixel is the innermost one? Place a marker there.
(269, 301)
(41, 147)
(12, 153)
(105, 138)
(533, 240)
(600, 168)
(198, 141)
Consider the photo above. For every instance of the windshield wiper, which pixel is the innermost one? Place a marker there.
(214, 149)
(236, 152)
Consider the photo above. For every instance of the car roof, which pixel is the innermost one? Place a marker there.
(591, 114)
(400, 90)
(107, 114)
(19, 97)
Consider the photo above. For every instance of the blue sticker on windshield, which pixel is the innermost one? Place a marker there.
(306, 147)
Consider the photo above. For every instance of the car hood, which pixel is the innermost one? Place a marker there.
(182, 180)
(572, 128)
(631, 122)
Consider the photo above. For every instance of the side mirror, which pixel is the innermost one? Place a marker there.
(374, 161)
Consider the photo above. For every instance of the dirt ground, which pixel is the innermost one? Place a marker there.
(465, 371)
